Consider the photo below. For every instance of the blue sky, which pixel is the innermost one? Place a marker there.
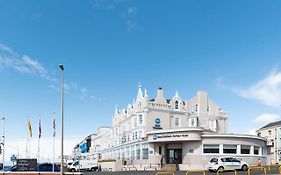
(231, 49)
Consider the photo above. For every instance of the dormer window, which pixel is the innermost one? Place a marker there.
(176, 105)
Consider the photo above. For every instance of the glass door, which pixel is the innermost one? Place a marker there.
(174, 156)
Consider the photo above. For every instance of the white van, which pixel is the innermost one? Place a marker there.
(84, 165)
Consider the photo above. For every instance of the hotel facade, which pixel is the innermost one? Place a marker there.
(186, 133)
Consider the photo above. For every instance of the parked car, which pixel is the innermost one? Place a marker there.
(224, 163)
(12, 168)
(48, 167)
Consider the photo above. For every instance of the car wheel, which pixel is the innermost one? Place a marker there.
(221, 168)
(244, 168)
(72, 170)
(93, 169)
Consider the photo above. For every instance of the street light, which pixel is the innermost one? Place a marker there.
(62, 115)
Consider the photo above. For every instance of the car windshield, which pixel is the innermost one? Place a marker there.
(214, 160)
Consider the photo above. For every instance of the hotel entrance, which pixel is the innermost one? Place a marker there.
(174, 156)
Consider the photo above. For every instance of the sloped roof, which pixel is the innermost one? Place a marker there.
(272, 124)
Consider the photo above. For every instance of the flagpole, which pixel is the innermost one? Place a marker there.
(39, 135)
(54, 128)
(26, 146)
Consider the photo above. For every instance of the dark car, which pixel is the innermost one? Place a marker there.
(48, 167)
(12, 168)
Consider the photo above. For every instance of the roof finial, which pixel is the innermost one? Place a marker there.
(139, 85)
(139, 95)
(177, 93)
(145, 93)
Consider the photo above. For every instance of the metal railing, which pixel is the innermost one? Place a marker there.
(167, 172)
(257, 167)
(188, 172)
(226, 170)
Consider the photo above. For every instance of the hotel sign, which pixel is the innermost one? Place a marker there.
(175, 136)
(157, 124)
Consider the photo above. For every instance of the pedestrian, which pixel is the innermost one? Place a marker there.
(162, 161)
(259, 163)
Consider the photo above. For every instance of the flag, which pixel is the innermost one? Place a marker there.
(29, 127)
(40, 128)
(54, 127)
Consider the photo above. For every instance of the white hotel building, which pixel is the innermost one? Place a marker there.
(187, 133)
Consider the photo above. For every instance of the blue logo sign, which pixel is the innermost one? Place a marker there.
(155, 137)
(157, 123)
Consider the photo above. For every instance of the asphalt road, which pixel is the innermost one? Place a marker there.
(255, 172)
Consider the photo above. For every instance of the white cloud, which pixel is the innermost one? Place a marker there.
(18, 147)
(267, 91)
(130, 17)
(10, 59)
(85, 95)
(267, 118)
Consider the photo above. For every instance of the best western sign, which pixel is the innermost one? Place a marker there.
(175, 136)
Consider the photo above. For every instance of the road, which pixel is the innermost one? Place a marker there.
(255, 172)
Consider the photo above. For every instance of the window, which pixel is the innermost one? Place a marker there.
(145, 151)
(256, 150)
(193, 122)
(269, 132)
(208, 109)
(176, 105)
(138, 151)
(213, 125)
(160, 150)
(196, 108)
(135, 122)
(245, 149)
(211, 149)
(132, 152)
(140, 119)
(214, 160)
(136, 135)
(140, 134)
(229, 149)
(177, 122)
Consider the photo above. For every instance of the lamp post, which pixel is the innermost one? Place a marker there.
(62, 115)
(3, 142)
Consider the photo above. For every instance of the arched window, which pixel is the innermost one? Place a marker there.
(176, 105)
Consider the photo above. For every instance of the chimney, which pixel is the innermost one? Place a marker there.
(160, 96)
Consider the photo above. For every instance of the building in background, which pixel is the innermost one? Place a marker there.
(83, 149)
(185, 133)
(272, 133)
